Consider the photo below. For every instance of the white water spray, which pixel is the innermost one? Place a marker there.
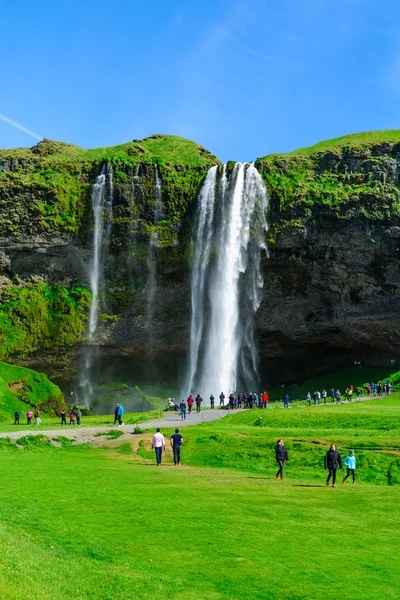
(232, 223)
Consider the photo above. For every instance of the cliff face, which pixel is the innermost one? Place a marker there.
(331, 291)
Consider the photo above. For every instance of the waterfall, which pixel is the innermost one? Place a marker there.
(201, 251)
(97, 206)
(151, 286)
(227, 281)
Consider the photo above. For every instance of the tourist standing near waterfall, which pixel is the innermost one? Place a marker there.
(212, 401)
(158, 443)
(190, 403)
(221, 399)
(199, 400)
(282, 457)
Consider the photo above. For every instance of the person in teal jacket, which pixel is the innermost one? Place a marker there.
(350, 464)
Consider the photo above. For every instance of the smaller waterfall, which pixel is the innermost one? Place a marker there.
(97, 206)
(158, 205)
(151, 287)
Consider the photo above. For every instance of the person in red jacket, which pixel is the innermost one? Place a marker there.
(265, 398)
(190, 402)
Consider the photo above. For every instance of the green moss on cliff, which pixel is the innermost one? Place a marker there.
(45, 190)
(21, 388)
(351, 177)
(38, 316)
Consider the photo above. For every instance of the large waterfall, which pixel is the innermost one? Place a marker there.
(227, 281)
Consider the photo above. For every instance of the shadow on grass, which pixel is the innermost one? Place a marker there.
(307, 485)
(263, 478)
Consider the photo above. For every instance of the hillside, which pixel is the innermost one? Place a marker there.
(22, 388)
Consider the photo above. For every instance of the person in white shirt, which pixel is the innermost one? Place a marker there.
(158, 443)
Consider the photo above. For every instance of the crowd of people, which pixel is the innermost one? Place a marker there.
(261, 400)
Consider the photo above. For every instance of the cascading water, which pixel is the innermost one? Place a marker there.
(151, 287)
(201, 251)
(97, 206)
(227, 281)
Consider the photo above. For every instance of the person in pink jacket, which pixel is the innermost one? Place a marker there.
(29, 415)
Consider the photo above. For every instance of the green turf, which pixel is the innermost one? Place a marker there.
(105, 523)
(21, 389)
(49, 423)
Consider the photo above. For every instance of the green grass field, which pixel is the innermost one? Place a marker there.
(104, 523)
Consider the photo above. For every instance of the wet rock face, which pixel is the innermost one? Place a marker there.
(331, 296)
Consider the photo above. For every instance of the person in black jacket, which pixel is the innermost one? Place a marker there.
(333, 460)
(281, 454)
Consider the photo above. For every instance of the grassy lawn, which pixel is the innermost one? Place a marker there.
(105, 523)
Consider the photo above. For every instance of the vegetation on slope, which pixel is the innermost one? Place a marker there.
(22, 388)
(38, 316)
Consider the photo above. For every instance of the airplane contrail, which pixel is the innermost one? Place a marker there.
(20, 127)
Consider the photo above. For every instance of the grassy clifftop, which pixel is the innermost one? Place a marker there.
(45, 190)
(352, 176)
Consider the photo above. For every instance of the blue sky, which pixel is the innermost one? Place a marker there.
(242, 78)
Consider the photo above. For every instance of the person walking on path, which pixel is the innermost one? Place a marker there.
(324, 395)
(350, 464)
(212, 401)
(282, 457)
(63, 417)
(182, 406)
(176, 443)
(199, 400)
(221, 400)
(332, 461)
(286, 400)
(264, 399)
(190, 402)
(72, 418)
(17, 416)
(37, 418)
(29, 416)
(118, 414)
(337, 396)
(78, 417)
(332, 392)
(308, 399)
(158, 443)
(319, 397)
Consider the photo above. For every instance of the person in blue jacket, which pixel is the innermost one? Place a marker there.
(118, 414)
(286, 401)
(350, 464)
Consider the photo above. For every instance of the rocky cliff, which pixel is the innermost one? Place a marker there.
(331, 290)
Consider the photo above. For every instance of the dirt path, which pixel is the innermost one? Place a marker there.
(82, 435)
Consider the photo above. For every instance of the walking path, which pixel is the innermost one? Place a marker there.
(170, 420)
(88, 434)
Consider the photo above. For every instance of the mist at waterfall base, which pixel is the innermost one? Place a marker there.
(114, 378)
(226, 281)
